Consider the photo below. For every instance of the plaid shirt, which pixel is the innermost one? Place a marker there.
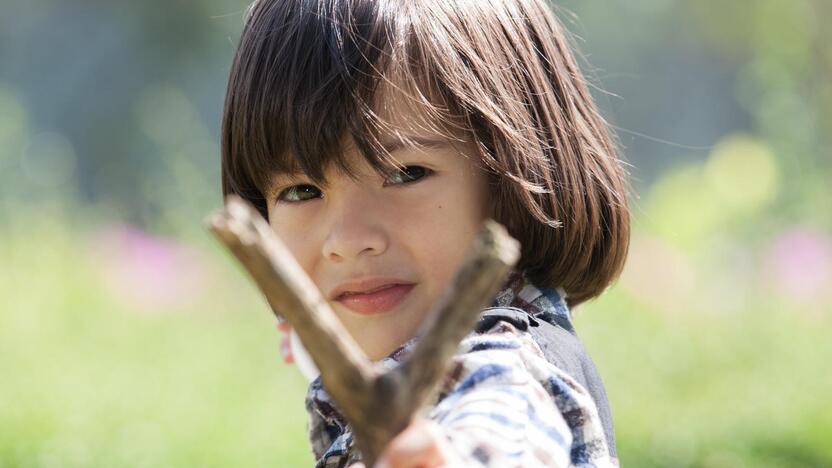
(502, 404)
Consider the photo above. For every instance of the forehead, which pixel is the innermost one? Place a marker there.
(404, 110)
(406, 119)
(409, 118)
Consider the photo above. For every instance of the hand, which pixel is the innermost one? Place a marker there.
(420, 445)
(285, 341)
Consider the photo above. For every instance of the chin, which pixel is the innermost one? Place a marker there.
(380, 350)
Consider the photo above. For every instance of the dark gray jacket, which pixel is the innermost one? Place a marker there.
(560, 344)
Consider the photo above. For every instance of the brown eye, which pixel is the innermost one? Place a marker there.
(407, 174)
(299, 193)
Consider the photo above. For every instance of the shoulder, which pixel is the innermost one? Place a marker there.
(503, 348)
(502, 382)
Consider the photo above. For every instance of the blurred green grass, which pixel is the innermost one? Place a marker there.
(123, 348)
(92, 380)
(703, 389)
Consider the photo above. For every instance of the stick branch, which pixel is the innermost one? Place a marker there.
(378, 405)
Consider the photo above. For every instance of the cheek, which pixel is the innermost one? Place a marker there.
(439, 230)
(298, 242)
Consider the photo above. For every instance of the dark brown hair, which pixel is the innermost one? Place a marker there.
(307, 74)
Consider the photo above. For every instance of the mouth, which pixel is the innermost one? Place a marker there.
(376, 301)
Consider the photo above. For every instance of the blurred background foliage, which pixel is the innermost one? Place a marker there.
(128, 338)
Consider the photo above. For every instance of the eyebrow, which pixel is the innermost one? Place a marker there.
(392, 145)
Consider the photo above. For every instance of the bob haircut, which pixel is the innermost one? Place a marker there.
(306, 74)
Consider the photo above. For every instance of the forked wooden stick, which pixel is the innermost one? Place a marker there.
(377, 404)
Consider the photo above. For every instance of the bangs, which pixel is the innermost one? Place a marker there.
(311, 77)
(308, 74)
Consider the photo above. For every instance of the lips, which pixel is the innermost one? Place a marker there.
(352, 293)
(376, 300)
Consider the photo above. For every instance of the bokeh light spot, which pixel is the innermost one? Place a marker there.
(168, 117)
(146, 271)
(680, 207)
(658, 274)
(798, 263)
(49, 160)
(742, 171)
(13, 119)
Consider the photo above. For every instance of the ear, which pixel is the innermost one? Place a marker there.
(286, 342)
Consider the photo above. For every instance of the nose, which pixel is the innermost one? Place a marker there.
(356, 230)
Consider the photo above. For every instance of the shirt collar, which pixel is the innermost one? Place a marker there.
(518, 291)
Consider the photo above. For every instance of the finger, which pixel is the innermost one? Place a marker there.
(418, 446)
(286, 347)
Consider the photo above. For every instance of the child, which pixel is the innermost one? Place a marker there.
(376, 136)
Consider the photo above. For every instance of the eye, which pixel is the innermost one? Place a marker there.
(298, 193)
(407, 174)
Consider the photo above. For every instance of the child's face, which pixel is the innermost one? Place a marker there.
(412, 228)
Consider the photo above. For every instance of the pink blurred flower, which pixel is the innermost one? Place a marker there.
(798, 263)
(147, 271)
